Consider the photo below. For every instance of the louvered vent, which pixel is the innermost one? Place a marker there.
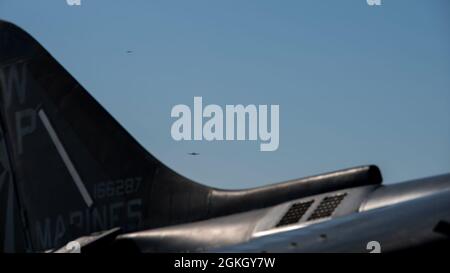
(295, 213)
(327, 206)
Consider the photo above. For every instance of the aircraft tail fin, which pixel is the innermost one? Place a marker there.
(75, 168)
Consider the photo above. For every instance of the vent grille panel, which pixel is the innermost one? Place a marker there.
(327, 206)
(295, 213)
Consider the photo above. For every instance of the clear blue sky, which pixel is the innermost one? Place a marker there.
(355, 84)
